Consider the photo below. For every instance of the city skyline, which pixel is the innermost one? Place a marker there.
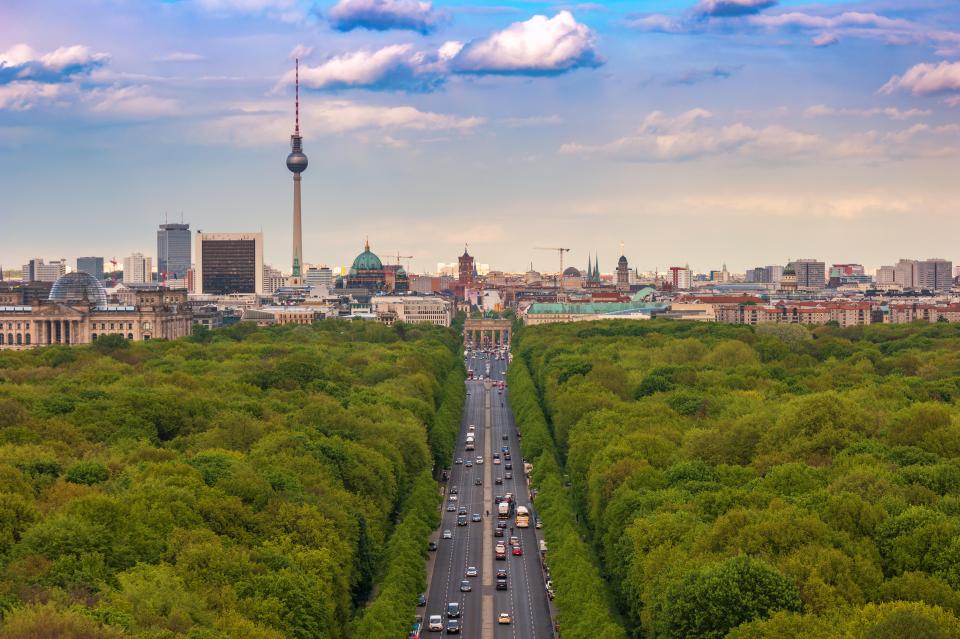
(724, 131)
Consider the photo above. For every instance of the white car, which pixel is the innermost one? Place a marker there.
(447, 534)
(479, 460)
(495, 461)
(453, 498)
(472, 571)
(435, 624)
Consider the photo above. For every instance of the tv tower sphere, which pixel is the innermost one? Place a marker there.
(297, 161)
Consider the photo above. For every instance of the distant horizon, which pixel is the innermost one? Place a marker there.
(697, 132)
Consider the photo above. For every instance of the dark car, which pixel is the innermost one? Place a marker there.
(421, 600)
(461, 520)
(501, 584)
(501, 573)
(508, 475)
(454, 490)
(498, 532)
(478, 482)
(453, 609)
(508, 466)
(498, 481)
(504, 437)
(432, 546)
(453, 626)
(465, 586)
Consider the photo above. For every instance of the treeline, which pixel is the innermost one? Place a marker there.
(244, 483)
(582, 608)
(775, 481)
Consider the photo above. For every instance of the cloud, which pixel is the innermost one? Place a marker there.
(696, 76)
(926, 79)
(265, 123)
(821, 110)
(23, 63)
(384, 15)
(694, 135)
(658, 23)
(179, 56)
(300, 51)
(394, 67)
(131, 102)
(538, 46)
(825, 40)
(732, 8)
(23, 96)
(287, 10)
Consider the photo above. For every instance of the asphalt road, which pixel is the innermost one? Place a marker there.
(473, 544)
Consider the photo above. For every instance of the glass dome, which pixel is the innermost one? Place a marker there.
(79, 287)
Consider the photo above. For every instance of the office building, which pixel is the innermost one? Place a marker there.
(36, 270)
(91, 265)
(905, 273)
(228, 263)
(173, 251)
(811, 274)
(273, 280)
(886, 276)
(137, 269)
(412, 309)
(935, 274)
(681, 277)
(319, 276)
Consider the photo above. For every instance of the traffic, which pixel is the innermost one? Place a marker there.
(488, 580)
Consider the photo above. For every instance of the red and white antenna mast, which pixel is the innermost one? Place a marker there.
(297, 75)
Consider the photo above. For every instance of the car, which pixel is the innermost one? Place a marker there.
(462, 510)
(479, 460)
(454, 490)
(451, 508)
(461, 520)
(421, 600)
(505, 449)
(496, 461)
(472, 571)
(506, 456)
(501, 584)
(478, 482)
(465, 586)
(514, 541)
(475, 517)
(453, 610)
(435, 623)
(447, 534)
(432, 546)
(453, 626)
(501, 573)
(508, 475)
(505, 437)
(508, 466)
(453, 498)
(498, 481)
(502, 525)
(498, 532)
(504, 618)
(538, 524)
(468, 464)
(458, 460)
(497, 499)
(517, 551)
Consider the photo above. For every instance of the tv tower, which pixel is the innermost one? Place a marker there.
(297, 163)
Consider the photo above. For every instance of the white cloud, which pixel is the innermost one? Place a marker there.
(926, 79)
(825, 40)
(300, 51)
(822, 110)
(21, 62)
(134, 102)
(658, 22)
(384, 15)
(265, 123)
(732, 8)
(23, 96)
(693, 135)
(537, 46)
(395, 66)
(179, 56)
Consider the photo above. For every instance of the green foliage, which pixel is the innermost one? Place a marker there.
(244, 482)
(823, 460)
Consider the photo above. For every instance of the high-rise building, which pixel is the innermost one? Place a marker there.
(137, 269)
(37, 271)
(228, 263)
(681, 277)
(173, 251)
(811, 274)
(272, 280)
(905, 273)
(297, 163)
(623, 274)
(935, 274)
(91, 265)
(319, 276)
(886, 275)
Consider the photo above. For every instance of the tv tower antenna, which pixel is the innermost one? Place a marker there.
(297, 163)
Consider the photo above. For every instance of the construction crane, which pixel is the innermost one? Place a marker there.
(560, 276)
(113, 264)
(404, 257)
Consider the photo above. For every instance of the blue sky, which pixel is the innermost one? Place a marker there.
(702, 132)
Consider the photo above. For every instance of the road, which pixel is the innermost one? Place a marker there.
(473, 544)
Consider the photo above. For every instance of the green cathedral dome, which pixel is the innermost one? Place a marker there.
(366, 261)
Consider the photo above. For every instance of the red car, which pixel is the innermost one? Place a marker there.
(517, 551)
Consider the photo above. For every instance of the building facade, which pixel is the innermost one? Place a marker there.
(319, 276)
(935, 274)
(91, 265)
(228, 263)
(137, 269)
(36, 270)
(412, 309)
(811, 274)
(77, 313)
(173, 251)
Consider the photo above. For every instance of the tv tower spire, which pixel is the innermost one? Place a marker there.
(297, 163)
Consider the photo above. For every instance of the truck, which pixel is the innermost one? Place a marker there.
(523, 517)
(503, 510)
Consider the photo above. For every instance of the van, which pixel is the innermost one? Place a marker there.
(435, 624)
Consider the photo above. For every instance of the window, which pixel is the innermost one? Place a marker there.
(112, 326)
(1, 339)
(27, 339)
(19, 339)
(129, 335)
(93, 337)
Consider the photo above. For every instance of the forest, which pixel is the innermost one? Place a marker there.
(262, 483)
(710, 481)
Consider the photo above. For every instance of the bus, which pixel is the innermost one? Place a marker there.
(523, 517)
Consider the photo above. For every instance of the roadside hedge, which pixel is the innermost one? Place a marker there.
(583, 609)
(442, 438)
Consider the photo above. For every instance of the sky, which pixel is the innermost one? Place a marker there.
(695, 132)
